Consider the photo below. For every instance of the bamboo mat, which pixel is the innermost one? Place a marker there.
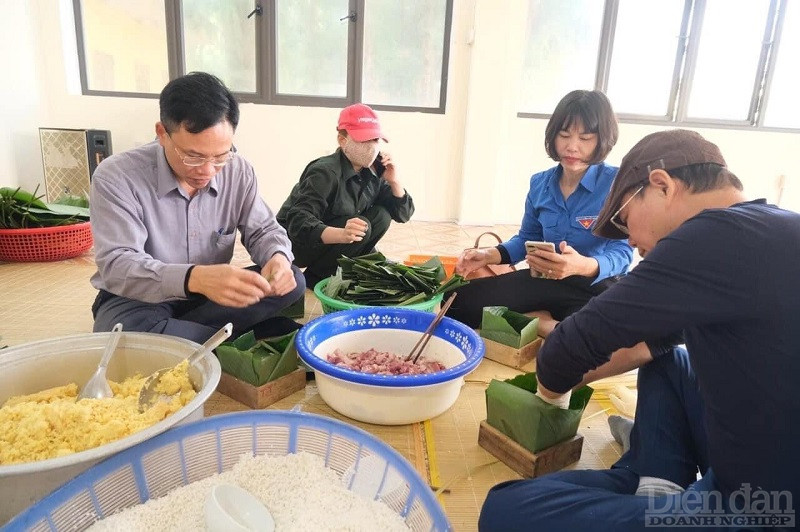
(44, 300)
(445, 450)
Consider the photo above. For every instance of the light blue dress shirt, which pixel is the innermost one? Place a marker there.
(148, 231)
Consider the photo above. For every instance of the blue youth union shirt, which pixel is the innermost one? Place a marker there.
(548, 217)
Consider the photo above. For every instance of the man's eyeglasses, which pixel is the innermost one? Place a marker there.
(192, 160)
(619, 224)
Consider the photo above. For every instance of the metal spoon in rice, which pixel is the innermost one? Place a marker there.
(149, 395)
(97, 386)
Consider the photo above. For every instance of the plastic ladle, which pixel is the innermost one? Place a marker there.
(149, 395)
(229, 508)
(97, 386)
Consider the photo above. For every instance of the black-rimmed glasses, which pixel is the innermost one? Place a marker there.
(619, 224)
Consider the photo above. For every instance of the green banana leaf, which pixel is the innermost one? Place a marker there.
(258, 361)
(435, 265)
(508, 327)
(374, 280)
(68, 210)
(23, 197)
(72, 199)
(513, 408)
(20, 209)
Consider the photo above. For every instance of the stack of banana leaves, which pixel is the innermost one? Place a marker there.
(374, 280)
(20, 209)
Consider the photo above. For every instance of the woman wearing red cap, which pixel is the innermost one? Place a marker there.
(344, 202)
(561, 208)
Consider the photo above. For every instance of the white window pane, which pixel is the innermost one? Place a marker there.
(112, 64)
(312, 47)
(561, 56)
(403, 51)
(640, 84)
(782, 109)
(219, 39)
(732, 34)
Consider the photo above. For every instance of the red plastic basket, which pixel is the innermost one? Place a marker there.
(45, 243)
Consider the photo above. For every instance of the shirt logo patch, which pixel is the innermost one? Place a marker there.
(586, 221)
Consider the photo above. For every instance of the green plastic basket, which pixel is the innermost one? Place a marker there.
(330, 304)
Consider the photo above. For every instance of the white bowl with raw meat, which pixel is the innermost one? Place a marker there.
(388, 399)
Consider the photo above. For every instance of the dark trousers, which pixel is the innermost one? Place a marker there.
(522, 293)
(196, 318)
(320, 259)
(668, 441)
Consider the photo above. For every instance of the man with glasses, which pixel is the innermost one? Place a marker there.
(722, 272)
(164, 220)
(344, 203)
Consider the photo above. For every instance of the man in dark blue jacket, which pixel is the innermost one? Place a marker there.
(723, 272)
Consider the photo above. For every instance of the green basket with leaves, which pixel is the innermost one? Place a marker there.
(373, 281)
(330, 304)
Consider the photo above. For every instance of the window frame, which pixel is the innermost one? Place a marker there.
(684, 70)
(77, 10)
(266, 59)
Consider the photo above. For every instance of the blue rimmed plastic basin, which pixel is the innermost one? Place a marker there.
(388, 399)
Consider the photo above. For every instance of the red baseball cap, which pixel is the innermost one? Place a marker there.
(360, 122)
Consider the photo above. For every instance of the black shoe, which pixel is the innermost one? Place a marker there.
(277, 326)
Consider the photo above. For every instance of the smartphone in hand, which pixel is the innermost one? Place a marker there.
(378, 165)
(530, 245)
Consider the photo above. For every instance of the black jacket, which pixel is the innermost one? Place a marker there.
(330, 188)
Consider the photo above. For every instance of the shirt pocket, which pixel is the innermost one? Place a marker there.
(222, 247)
(549, 220)
(551, 227)
(343, 202)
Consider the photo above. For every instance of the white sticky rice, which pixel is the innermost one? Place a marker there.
(299, 491)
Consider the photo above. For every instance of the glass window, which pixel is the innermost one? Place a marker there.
(311, 55)
(782, 109)
(639, 83)
(732, 33)
(219, 38)
(112, 64)
(403, 51)
(563, 41)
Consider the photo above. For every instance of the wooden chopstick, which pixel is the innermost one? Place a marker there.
(426, 336)
(431, 327)
(429, 331)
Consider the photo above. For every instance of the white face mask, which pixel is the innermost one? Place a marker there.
(361, 154)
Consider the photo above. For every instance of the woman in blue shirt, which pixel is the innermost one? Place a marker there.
(561, 207)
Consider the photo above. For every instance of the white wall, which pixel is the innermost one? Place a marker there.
(470, 164)
(20, 105)
(278, 140)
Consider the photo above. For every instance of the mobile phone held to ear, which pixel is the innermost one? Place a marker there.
(530, 245)
(378, 165)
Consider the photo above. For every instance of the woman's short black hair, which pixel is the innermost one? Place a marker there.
(706, 176)
(593, 110)
(197, 101)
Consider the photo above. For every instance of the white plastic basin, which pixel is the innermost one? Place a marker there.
(388, 399)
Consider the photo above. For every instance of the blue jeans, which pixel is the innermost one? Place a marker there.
(668, 441)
